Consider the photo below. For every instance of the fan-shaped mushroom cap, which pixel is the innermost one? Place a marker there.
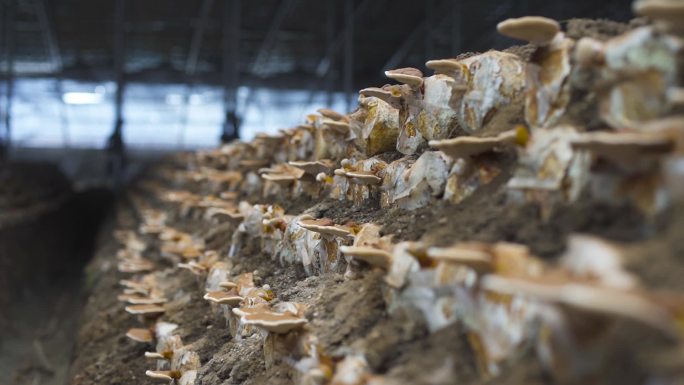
(341, 126)
(371, 255)
(362, 177)
(228, 285)
(411, 76)
(138, 300)
(451, 67)
(146, 310)
(223, 297)
(325, 226)
(473, 255)
(279, 323)
(666, 10)
(621, 146)
(164, 375)
(331, 114)
(376, 92)
(535, 29)
(158, 356)
(465, 146)
(596, 299)
(314, 167)
(282, 173)
(135, 265)
(140, 335)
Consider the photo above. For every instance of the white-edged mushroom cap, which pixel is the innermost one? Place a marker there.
(466, 146)
(470, 255)
(376, 92)
(628, 146)
(666, 10)
(409, 75)
(223, 297)
(325, 226)
(535, 29)
(146, 310)
(451, 67)
(371, 255)
(140, 335)
(331, 114)
(314, 167)
(279, 323)
(596, 299)
(228, 285)
(136, 300)
(164, 375)
(363, 177)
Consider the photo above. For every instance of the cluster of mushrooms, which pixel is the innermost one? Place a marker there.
(453, 135)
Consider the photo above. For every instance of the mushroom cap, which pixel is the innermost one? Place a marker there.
(363, 177)
(233, 215)
(465, 146)
(279, 323)
(140, 335)
(148, 310)
(165, 375)
(254, 163)
(471, 255)
(137, 300)
(592, 298)
(131, 284)
(371, 255)
(450, 67)
(409, 75)
(280, 178)
(247, 310)
(228, 285)
(314, 167)
(376, 92)
(668, 10)
(628, 146)
(535, 29)
(325, 226)
(135, 265)
(331, 114)
(223, 297)
(340, 126)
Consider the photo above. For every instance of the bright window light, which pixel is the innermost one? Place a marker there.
(174, 99)
(82, 98)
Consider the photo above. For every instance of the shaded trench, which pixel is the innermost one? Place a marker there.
(47, 235)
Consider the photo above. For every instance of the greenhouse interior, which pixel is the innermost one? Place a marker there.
(341, 192)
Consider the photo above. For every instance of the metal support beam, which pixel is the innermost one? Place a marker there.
(332, 51)
(400, 54)
(258, 65)
(231, 68)
(191, 65)
(421, 30)
(3, 33)
(10, 45)
(197, 37)
(329, 45)
(115, 144)
(49, 36)
(349, 52)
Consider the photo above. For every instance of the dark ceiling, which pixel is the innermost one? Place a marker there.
(282, 43)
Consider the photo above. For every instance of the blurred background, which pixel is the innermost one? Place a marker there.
(170, 75)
